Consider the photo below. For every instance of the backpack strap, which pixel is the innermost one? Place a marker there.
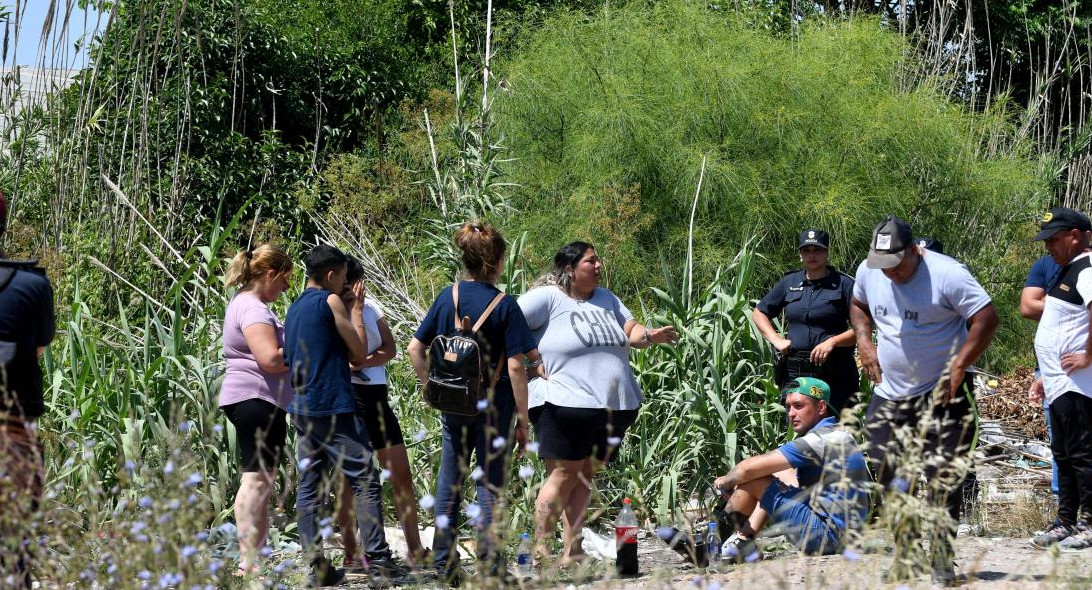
(485, 314)
(460, 322)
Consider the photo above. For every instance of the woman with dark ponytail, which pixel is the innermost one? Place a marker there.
(256, 390)
(490, 434)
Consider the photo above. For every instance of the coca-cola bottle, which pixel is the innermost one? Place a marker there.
(625, 538)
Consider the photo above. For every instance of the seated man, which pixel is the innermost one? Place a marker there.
(832, 496)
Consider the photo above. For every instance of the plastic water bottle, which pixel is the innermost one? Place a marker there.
(625, 538)
(523, 556)
(712, 545)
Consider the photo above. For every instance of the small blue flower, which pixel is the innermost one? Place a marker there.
(217, 428)
(697, 581)
(532, 447)
(900, 484)
(384, 475)
(614, 441)
(144, 575)
(265, 551)
(477, 473)
(498, 443)
(145, 502)
(526, 471)
(202, 536)
(194, 479)
(304, 463)
(326, 532)
(442, 521)
(169, 467)
(420, 436)
(215, 565)
(483, 404)
(184, 426)
(188, 551)
(192, 498)
(130, 465)
(427, 502)
(174, 504)
(473, 510)
(851, 555)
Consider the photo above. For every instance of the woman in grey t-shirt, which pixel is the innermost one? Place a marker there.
(590, 396)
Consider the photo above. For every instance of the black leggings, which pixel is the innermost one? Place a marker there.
(261, 430)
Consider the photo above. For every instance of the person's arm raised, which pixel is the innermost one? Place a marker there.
(351, 329)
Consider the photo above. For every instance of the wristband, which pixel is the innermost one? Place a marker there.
(647, 338)
(533, 364)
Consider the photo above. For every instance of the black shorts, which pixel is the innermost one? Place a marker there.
(373, 407)
(260, 429)
(573, 434)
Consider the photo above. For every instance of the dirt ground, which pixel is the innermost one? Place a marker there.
(989, 562)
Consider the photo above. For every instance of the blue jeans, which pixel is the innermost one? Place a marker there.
(1050, 439)
(337, 442)
(790, 513)
(463, 435)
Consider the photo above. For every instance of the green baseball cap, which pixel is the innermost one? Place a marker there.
(808, 386)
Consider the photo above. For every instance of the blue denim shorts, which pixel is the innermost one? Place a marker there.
(789, 512)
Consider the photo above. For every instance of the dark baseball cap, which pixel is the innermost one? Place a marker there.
(932, 244)
(890, 239)
(814, 237)
(1061, 219)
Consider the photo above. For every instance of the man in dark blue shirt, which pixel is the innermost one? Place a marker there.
(1041, 278)
(27, 326)
(321, 338)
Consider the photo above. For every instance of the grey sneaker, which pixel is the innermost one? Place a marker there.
(738, 549)
(1055, 534)
(1080, 539)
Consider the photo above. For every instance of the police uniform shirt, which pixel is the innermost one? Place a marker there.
(814, 310)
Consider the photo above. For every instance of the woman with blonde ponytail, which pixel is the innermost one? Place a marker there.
(256, 389)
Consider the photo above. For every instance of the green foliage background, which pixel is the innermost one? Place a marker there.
(209, 124)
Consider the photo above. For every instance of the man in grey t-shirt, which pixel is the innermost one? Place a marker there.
(932, 321)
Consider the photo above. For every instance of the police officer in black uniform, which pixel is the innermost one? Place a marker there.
(816, 302)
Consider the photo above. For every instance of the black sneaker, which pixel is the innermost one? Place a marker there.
(323, 573)
(386, 573)
(1057, 532)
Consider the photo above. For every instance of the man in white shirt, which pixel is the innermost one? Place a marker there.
(1064, 354)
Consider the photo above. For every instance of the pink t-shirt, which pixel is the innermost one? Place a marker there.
(244, 379)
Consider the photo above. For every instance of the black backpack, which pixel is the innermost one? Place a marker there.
(457, 374)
